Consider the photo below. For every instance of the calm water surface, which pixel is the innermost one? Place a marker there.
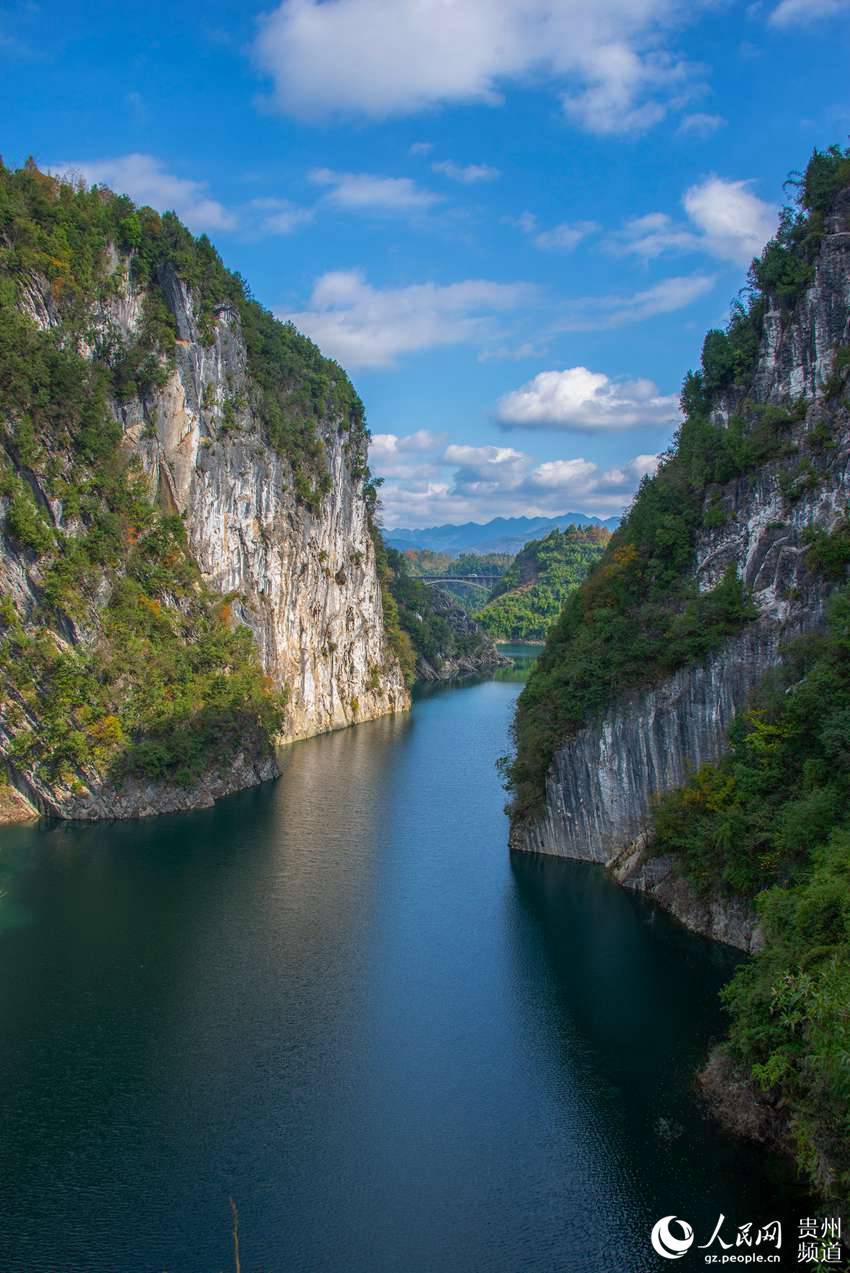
(338, 1000)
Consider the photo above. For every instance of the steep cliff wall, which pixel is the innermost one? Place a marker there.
(601, 780)
(304, 576)
(600, 784)
(265, 497)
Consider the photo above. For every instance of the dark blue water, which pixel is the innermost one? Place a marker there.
(339, 1001)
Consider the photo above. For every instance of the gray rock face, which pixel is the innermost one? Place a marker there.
(601, 781)
(730, 920)
(303, 579)
(137, 799)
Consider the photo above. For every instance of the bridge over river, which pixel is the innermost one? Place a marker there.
(461, 579)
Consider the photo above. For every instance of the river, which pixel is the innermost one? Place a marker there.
(338, 1000)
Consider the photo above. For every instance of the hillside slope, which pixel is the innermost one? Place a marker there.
(527, 599)
(187, 561)
(439, 640)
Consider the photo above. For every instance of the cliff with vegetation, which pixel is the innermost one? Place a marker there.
(437, 640)
(527, 599)
(688, 722)
(188, 557)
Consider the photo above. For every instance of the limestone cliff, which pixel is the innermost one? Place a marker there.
(280, 530)
(305, 577)
(602, 778)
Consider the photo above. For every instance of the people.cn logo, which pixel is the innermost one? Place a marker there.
(667, 1243)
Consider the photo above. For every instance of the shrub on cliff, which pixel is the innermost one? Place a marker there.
(128, 665)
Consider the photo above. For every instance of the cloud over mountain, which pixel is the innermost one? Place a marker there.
(428, 482)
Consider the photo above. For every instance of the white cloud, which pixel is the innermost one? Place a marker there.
(559, 238)
(146, 181)
(485, 470)
(408, 457)
(279, 216)
(421, 148)
(365, 326)
(627, 92)
(735, 223)
(468, 174)
(798, 12)
(652, 235)
(600, 313)
(564, 237)
(428, 482)
(365, 192)
(727, 221)
(358, 56)
(700, 125)
(586, 402)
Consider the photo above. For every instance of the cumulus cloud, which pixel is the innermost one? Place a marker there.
(585, 401)
(356, 56)
(726, 220)
(466, 174)
(145, 179)
(409, 456)
(365, 192)
(600, 313)
(800, 12)
(428, 482)
(421, 148)
(366, 326)
(485, 470)
(735, 223)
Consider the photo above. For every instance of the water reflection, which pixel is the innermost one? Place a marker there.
(337, 1000)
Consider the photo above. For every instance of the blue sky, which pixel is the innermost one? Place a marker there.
(511, 221)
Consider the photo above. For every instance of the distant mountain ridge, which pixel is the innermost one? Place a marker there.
(502, 534)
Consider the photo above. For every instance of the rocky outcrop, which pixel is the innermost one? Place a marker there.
(475, 653)
(94, 798)
(299, 572)
(734, 1101)
(726, 919)
(304, 579)
(14, 807)
(601, 781)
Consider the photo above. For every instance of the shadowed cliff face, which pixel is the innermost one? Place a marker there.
(300, 574)
(601, 781)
